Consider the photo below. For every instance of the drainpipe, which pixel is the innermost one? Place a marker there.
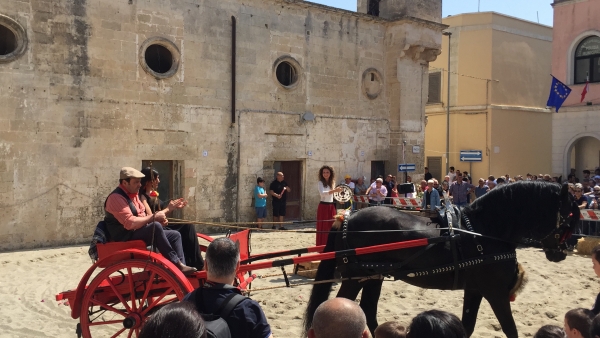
(233, 64)
(233, 50)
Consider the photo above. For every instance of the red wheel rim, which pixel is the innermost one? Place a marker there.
(120, 298)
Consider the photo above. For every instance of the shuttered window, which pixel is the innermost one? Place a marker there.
(435, 87)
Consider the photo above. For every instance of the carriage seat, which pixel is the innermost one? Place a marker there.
(102, 245)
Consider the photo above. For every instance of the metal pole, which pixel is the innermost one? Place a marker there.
(449, 35)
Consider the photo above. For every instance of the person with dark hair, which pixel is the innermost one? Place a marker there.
(326, 210)
(152, 203)
(550, 331)
(459, 190)
(436, 324)
(339, 317)
(428, 175)
(126, 220)
(595, 327)
(246, 319)
(578, 322)
(174, 321)
(390, 330)
(260, 201)
(278, 189)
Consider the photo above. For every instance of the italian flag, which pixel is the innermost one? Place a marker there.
(586, 88)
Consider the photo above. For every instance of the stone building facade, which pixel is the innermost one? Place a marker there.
(92, 86)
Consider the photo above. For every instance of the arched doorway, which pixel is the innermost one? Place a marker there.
(582, 152)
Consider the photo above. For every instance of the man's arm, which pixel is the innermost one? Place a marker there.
(118, 207)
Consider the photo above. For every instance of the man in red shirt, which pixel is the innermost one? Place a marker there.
(126, 220)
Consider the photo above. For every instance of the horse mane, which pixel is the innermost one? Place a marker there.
(516, 209)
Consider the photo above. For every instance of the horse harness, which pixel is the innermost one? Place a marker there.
(394, 269)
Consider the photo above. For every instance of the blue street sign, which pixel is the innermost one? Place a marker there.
(407, 167)
(470, 156)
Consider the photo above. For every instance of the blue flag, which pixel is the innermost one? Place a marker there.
(558, 94)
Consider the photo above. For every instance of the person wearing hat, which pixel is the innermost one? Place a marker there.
(349, 183)
(126, 220)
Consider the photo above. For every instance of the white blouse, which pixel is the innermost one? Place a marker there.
(324, 192)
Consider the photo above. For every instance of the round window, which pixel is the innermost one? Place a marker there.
(13, 40)
(372, 83)
(286, 74)
(8, 41)
(159, 57)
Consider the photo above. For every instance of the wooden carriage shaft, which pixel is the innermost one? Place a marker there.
(343, 253)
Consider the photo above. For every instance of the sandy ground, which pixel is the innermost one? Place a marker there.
(29, 281)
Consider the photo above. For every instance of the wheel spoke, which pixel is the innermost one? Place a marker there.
(130, 332)
(117, 293)
(148, 287)
(169, 290)
(131, 289)
(106, 323)
(107, 307)
(118, 333)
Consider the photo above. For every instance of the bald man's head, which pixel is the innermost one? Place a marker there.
(339, 317)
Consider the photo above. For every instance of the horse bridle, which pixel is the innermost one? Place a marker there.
(560, 234)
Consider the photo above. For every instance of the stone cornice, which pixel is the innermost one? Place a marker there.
(565, 2)
(364, 16)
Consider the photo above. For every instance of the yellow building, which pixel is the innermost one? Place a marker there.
(499, 82)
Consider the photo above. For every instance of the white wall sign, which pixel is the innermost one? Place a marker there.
(496, 150)
(310, 153)
(205, 153)
(416, 149)
(362, 153)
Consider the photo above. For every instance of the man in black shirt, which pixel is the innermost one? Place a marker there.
(279, 190)
(389, 184)
(246, 319)
(428, 175)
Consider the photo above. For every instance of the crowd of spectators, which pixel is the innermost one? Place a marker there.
(462, 190)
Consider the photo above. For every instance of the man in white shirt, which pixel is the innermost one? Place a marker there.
(348, 181)
(451, 175)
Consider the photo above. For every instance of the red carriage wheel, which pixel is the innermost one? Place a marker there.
(120, 298)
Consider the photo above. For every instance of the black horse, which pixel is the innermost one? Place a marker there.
(540, 211)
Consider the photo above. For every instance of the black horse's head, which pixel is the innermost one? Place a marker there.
(567, 220)
(540, 211)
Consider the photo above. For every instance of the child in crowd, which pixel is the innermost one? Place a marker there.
(550, 331)
(390, 330)
(260, 198)
(578, 322)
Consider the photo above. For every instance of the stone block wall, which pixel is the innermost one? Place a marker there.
(79, 104)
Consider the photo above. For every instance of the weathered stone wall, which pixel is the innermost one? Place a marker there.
(78, 105)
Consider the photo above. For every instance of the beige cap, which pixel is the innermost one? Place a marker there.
(129, 172)
(347, 176)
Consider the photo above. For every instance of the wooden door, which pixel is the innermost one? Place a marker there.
(435, 168)
(292, 174)
(377, 168)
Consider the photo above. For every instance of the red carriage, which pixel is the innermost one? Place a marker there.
(128, 282)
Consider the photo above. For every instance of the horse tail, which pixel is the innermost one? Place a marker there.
(320, 292)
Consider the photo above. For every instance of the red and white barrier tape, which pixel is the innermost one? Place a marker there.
(399, 201)
(590, 215)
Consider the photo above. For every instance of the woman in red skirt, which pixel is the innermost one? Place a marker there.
(326, 211)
